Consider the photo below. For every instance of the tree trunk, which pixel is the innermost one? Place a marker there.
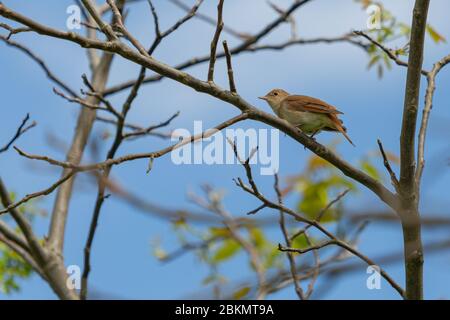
(408, 191)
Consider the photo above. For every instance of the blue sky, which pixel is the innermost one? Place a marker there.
(123, 264)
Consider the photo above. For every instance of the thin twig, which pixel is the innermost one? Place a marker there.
(81, 102)
(302, 251)
(44, 192)
(41, 64)
(332, 238)
(150, 129)
(130, 157)
(289, 19)
(229, 67)
(120, 25)
(386, 50)
(388, 167)
(215, 40)
(211, 21)
(12, 30)
(293, 267)
(135, 129)
(316, 268)
(106, 28)
(431, 78)
(20, 131)
(233, 227)
(210, 88)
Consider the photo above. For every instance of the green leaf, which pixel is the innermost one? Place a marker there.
(300, 242)
(272, 258)
(435, 35)
(229, 248)
(373, 60)
(241, 293)
(219, 232)
(12, 267)
(257, 237)
(370, 169)
(316, 195)
(214, 278)
(387, 61)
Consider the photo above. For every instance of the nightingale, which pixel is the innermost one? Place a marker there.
(309, 114)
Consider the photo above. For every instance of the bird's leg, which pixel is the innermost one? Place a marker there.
(313, 134)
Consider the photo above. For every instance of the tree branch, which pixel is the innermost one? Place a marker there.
(20, 131)
(390, 53)
(431, 78)
(47, 264)
(149, 155)
(41, 63)
(256, 193)
(229, 68)
(413, 251)
(215, 40)
(387, 165)
(292, 265)
(214, 90)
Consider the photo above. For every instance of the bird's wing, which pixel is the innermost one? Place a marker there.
(308, 104)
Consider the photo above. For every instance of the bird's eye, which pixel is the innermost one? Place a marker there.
(275, 93)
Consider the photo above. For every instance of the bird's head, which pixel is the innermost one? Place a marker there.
(274, 97)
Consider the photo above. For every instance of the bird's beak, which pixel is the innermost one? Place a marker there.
(263, 98)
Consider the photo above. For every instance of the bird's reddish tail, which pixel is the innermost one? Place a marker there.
(342, 129)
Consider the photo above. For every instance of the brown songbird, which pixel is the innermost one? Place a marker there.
(309, 114)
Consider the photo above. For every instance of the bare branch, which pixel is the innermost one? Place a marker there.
(12, 31)
(119, 23)
(106, 28)
(248, 45)
(229, 67)
(215, 40)
(116, 161)
(190, 14)
(81, 102)
(155, 19)
(289, 19)
(291, 259)
(159, 36)
(254, 191)
(150, 129)
(233, 227)
(13, 236)
(53, 270)
(301, 251)
(135, 129)
(212, 21)
(44, 192)
(237, 50)
(316, 268)
(431, 78)
(20, 131)
(387, 165)
(41, 63)
(217, 92)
